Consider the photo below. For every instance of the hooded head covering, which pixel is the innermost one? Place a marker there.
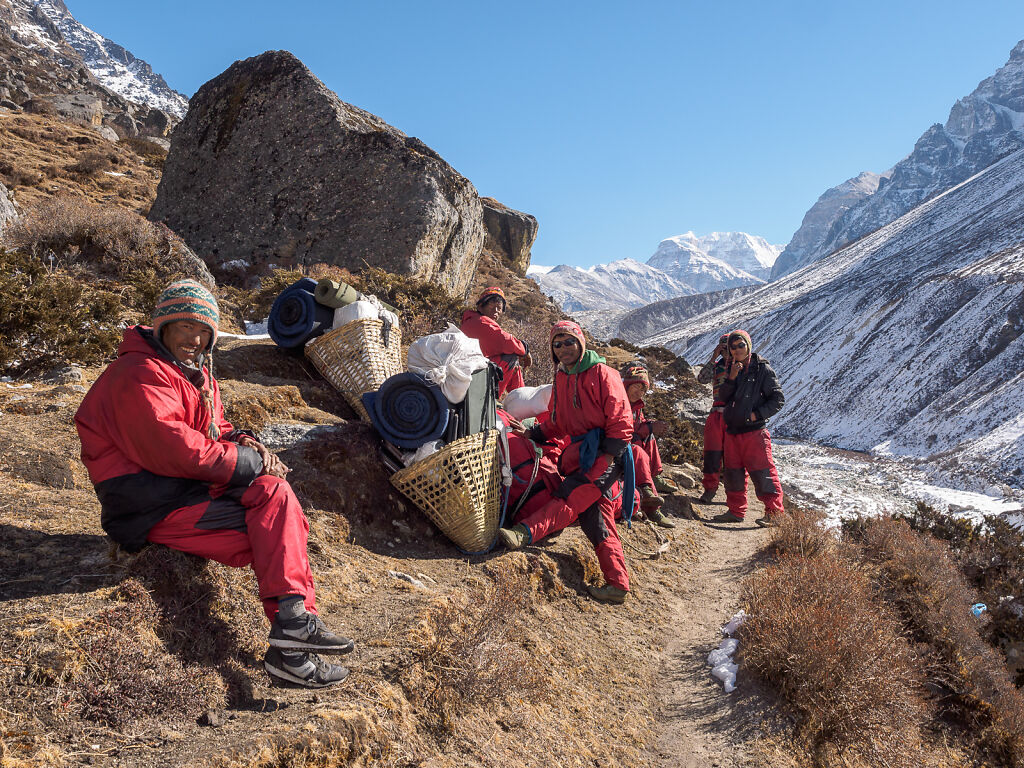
(187, 300)
(633, 373)
(741, 334)
(569, 328)
(488, 294)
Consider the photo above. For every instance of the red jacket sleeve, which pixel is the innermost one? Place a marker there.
(493, 340)
(152, 428)
(618, 413)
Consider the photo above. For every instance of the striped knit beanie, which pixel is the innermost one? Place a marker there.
(186, 300)
(633, 373)
(488, 294)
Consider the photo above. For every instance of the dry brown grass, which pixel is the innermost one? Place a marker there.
(801, 533)
(111, 668)
(40, 149)
(991, 557)
(817, 633)
(971, 685)
(468, 651)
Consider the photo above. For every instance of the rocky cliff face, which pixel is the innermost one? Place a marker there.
(981, 128)
(270, 167)
(40, 69)
(113, 65)
(907, 342)
(509, 234)
(816, 227)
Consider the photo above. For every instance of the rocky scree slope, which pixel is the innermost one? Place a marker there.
(982, 127)
(907, 341)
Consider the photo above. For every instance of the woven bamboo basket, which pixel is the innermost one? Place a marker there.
(459, 489)
(355, 359)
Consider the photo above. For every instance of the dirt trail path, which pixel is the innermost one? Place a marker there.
(700, 725)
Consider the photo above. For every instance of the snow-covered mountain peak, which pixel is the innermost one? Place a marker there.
(982, 127)
(48, 23)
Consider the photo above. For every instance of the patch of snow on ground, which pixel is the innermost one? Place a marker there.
(845, 485)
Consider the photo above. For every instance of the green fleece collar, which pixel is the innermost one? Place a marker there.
(589, 359)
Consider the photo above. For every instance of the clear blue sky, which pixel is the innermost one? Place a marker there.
(615, 124)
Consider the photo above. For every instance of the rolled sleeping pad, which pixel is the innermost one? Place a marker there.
(408, 410)
(334, 293)
(296, 317)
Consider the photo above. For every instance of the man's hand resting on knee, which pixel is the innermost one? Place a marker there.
(272, 465)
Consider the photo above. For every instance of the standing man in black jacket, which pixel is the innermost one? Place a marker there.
(752, 395)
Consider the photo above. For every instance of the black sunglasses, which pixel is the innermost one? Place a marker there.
(566, 343)
(738, 345)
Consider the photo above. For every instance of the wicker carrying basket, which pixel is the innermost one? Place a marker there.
(459, 489)
(355, 359)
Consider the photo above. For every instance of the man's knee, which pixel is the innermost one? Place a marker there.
(733, 479)
(266, 488)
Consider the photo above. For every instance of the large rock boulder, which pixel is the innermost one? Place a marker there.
(271, 167)
(509, 234)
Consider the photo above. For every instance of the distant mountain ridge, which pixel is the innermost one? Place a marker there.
(907, 342)
(683, 265)
(48, 24)
(982, 127)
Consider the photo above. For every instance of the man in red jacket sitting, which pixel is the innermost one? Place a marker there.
(500, 347)
(588, 405)
(169, 469)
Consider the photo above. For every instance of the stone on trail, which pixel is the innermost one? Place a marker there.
(270, 167)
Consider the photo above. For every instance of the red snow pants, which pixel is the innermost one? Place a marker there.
(513, 376)
(262, 526)
(642, 464)
(650, 448)
(587, 497)
(751, 452)
(714, 442)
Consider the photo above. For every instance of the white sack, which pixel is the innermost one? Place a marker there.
(527, 402)
(357, 310)
(447, 359)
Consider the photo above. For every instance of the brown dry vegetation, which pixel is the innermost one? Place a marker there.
(73, 273)
(497, 660)
(45, 156)
(876, 625)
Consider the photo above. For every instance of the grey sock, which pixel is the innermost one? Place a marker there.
(290, 607)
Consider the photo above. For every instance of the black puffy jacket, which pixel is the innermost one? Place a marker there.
(755, 390)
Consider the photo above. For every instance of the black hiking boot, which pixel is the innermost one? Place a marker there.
(707, 497)
(307, 632)
(726, 517)
(301, 670)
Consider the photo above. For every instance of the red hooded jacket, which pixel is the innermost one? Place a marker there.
(143, 427)
(592, 397)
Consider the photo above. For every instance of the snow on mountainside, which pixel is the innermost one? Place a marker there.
(686, 258)
(747, 253)
(804, 247)
(114, 67)
(981, 128)
(681, 266)
(619, 285)
(907, 342)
